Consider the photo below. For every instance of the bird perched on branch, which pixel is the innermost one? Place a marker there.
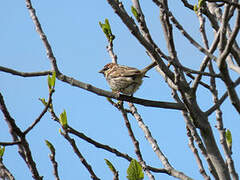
(124, 79)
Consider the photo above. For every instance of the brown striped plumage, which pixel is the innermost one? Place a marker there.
(124, 79)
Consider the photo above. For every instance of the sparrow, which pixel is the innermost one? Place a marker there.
(124, 79)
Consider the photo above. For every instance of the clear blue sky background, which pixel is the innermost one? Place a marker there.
(80, 49)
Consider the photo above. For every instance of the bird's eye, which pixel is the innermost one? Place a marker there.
(105, 68)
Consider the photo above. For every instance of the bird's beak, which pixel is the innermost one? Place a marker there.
(101, 71)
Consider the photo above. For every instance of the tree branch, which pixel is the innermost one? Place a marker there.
(79, 154)
(221, 100)
(24, 149)
(223, 68)
(9, 143)
(25, 74)
(196, 155)
(42, 113)
(5, 174)
(135, 142)
(121, 97)
(155, 146)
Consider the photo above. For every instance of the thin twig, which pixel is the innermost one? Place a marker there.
(135, 142)
(54, 163)
(80, 156)
(25, 74)
(191, 40)
(196, 155)
(110, 149)
(205, 61)
(24, 149)
(103, 146)
(43, 37)
(110, 51)
(9, 143)
(41, 114)
(222, 65)
(221, 100)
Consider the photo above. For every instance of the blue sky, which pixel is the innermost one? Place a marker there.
(80, 49)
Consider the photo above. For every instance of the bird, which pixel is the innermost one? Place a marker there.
(124, 79)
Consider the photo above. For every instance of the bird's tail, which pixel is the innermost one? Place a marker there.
(150, 66)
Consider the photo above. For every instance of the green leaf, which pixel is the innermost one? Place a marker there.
(110, 165)
(106, 28)
(229, 138)
(49, 82)
(2, 150)
(50, 146)
(43, 101)
(53, 79)
(195, 8)
(100, 24)
(201, 3)
(135, 13)
(63, 119)
(135, 171)
(60, 131)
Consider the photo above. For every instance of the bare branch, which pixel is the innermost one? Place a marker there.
(221, 129)
(80, 156)
(205, 61)
(25, 74)
(184, 32)
(103, 146)
(110, 149)
(9, 143)
(24, 149)
(121, 97)
(43, 37)
(135, 142)
(54, 163)
(5, 174)
(198, 140)
(42, 113)
(222, 65)
(110, 52)
(197, 157)
(142, 23)
(155, 146)
(129, 22)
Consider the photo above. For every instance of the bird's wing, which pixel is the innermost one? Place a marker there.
(124, 71)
